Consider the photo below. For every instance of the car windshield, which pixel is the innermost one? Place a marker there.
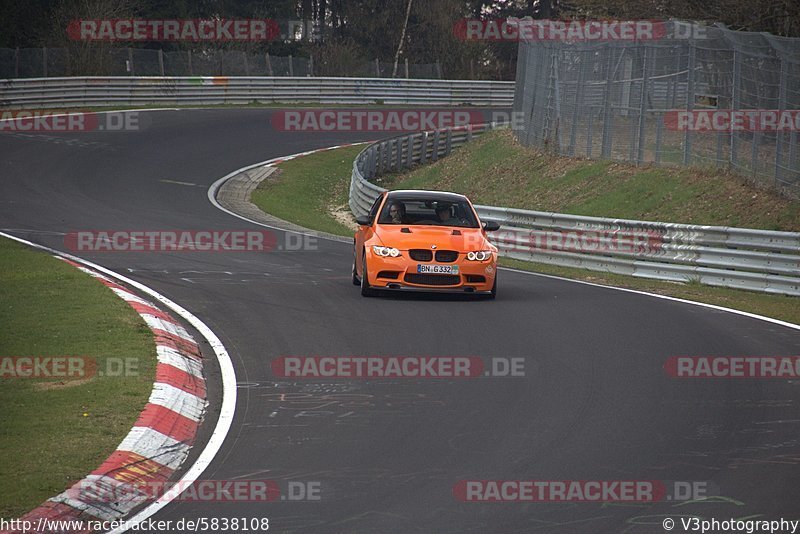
(428, 212)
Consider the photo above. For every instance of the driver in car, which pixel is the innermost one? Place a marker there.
(444, 215)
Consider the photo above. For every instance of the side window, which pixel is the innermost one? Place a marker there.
(373, 211)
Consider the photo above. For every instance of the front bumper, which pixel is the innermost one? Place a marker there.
(401, 273)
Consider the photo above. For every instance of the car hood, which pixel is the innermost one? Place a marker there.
(445, 238)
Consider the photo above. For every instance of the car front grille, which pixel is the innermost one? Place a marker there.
(420, 254)
(433, 279)
(446, 256)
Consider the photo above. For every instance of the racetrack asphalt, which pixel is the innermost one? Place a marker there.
(594, 404)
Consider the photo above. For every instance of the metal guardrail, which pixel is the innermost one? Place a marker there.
(203, 90)
(758, 260)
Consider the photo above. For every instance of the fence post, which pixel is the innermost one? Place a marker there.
(161, 61)
(311, 65)
(269, 64)
(377, 68)
(737, 99)
(687, 136)
(191, 68)
(406, 62)
(643, 108)
(16, 63)
(605, 148)
(291, 65)
(44, 61)
(130, 62)
(578, 105)
(781, 107)
(246, 64)
(439, 69)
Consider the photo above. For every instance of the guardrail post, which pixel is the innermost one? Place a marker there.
(161, 61)
(16, 62)
(311, 65)
(131, 69)
(44, 61)
(406, 62)
(379, 149)
(291, 65)
(246, 65)
(436, 140)
(269, 64)
(377, 68)
(189, 59)
(371, 162)
(423, 153)
(398, 160)
(409, 151)
(469, 133)
(448, 142)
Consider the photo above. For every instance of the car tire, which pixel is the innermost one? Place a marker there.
(356, 281)
(493, 294)
(366, 291)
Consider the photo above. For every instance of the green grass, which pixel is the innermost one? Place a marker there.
(49, 308)
(308, 187)
(497, 171)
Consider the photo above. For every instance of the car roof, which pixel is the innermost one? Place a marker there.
(419, 194)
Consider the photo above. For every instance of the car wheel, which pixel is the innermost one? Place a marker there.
(356, 281)
(493, 294)
(366, 291)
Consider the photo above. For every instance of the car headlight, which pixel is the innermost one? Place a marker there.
(479, 255)
(385, 252)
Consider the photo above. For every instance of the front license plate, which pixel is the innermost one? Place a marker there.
(437, 269)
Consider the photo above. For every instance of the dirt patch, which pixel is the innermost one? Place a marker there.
(343, 216)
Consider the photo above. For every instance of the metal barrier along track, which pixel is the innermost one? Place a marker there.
(758, 260)
(203, 90)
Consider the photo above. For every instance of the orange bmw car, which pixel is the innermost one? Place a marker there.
(424, 240)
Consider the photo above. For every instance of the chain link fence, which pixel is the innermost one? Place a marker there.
(627, 100)
(115, 61)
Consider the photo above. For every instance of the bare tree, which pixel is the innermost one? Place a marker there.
(402, 38)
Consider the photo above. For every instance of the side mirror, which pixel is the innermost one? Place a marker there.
(491, 226)
(364, 220)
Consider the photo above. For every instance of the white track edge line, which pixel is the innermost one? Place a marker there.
(212, 191)
(228, 406)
